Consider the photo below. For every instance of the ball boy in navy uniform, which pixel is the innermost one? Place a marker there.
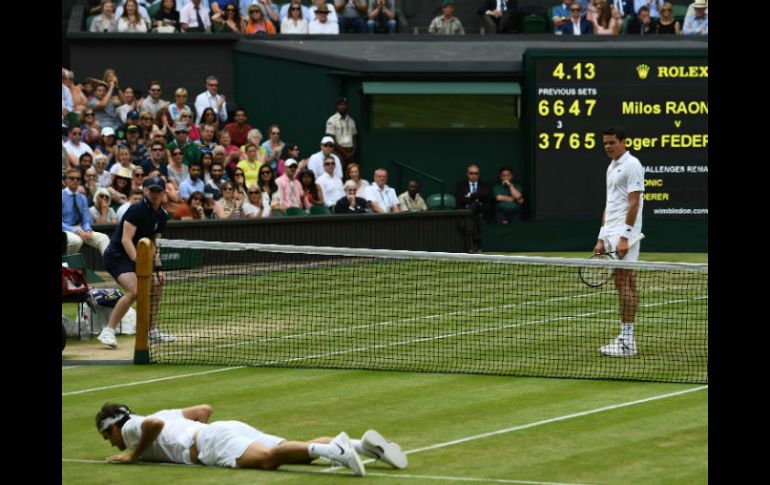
(143, 219)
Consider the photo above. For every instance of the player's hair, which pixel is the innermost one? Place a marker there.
(616, 130)
(110, 414)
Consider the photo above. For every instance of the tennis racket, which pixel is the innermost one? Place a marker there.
(596, 276)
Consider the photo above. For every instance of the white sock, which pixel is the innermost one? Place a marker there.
(628, 332)
(360, 448)
(317, 450)
(109, 330)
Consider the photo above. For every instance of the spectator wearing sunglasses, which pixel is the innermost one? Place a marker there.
(76, 217)
(101, 212)
(294, 22)
(316, 160)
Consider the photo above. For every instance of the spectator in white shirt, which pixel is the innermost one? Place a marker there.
(322, 25)
(188, 17)
(330, 184)
(382, 198)
(211, 99)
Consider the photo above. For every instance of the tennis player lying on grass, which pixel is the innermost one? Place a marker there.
(184, 436)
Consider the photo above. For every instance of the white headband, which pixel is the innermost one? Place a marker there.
(107, 422)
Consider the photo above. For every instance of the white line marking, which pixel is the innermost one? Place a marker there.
(467, 332)
(149, 381)
(391, 322)
(541, 423)
(368, 473)
(555, 420)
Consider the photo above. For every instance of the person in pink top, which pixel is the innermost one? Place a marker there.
(289, 189)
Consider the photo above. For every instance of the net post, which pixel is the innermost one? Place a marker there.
(144, 257)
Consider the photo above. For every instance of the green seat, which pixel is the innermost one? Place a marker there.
(679, 12)
(89, 21)
(154, 9)
(533, 24)
(549, 20)
(320, 210)
(76, 261)
(434, 202)
(295, 211)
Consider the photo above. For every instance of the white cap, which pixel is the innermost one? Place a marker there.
(289, 162)
(107, 131)
(327, 139)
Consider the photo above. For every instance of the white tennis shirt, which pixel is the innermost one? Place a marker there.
(624, 175)
(174, 441)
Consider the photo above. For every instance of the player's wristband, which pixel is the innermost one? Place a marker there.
(627, 231)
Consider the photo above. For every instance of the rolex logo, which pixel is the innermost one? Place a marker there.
(643, 70)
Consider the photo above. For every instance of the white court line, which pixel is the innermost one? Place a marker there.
(541, 423)
(467, 332)
(374, 347)
(392, 322)
(368, 473)
(482, 436)
(149, 381)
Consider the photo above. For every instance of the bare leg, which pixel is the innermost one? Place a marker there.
(155, 294)
(128, 282)
(286, 453)
(625, 282)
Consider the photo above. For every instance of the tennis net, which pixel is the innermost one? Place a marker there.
(299, 306)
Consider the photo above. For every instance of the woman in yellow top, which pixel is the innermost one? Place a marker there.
(250, 165)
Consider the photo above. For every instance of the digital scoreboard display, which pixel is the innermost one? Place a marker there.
(661, 99)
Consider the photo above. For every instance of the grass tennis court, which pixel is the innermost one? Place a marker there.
(660, 441)
(455, 428)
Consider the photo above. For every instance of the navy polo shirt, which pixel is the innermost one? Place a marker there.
(147, 221)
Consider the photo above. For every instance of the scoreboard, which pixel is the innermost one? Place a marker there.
(659, 97)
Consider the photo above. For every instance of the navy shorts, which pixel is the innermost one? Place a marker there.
(117, 264)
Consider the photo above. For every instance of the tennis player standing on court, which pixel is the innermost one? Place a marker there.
(143, 219)
(621, 223)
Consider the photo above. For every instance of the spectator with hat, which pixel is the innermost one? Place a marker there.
(697, 23)
(322, 24)
(332, 15)
(316, 160)
(132, 118)
(290, 193)
(190, 149)
(343, 128)
(447, 23)
(108, 145)
(120, 188)
(138, 151)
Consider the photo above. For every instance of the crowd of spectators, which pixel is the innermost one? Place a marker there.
(215, 168)
(264, 17)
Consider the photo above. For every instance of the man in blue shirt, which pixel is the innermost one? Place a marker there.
(76, 218)
(143, 219)
(193, 182)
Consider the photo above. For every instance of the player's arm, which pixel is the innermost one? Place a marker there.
(128, 239)
(201, 413)
(599, 247)
(633, 211)
(151, 428)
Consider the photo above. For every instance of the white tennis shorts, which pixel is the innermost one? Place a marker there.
(611, 244)
(223, 442)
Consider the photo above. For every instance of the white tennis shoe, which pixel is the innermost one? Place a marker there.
(381, 449)
(620, 348)
(107, 337)
(347, 455)
(158, 337)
